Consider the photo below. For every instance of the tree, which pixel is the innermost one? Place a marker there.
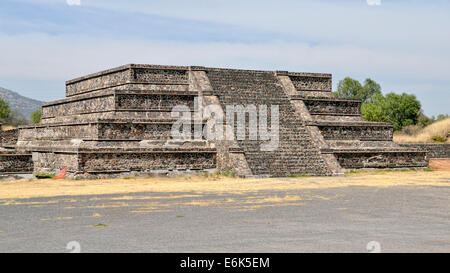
(348, 88)
(16, 118)
(352, 89)
(423, 120)
(400, 110)
(4, 109)
(369, 90)
(36, 116)
(442, 117)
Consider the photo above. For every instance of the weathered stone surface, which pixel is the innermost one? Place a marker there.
(434, 150)
(119, 121)
(128, 74)
(16, 163)
(356, 131)
(296, 153)
(311, 82)
(346, 140)
(381, 159)
(9, 137)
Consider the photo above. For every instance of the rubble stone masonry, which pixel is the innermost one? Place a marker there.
(119, 121)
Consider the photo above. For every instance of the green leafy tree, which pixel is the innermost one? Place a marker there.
(348, 88)
(352, 89)
(442, 117)
(36, 116)
(400, 110)
(369, 90)
(4, 109)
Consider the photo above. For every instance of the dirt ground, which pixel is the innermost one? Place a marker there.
(218, 184)
(440, 164)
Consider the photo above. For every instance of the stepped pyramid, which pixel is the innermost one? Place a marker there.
(119, 121)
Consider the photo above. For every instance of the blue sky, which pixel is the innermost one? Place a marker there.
(403, 45)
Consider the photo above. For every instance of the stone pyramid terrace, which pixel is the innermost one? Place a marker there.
(118, 122)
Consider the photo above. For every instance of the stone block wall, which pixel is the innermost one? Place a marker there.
(9, 137)
(81, 163)
(98, 81)
(128, 74)
(356, 131)
(380, 159)
(311, 82)
(84, 105)
(434, 150)
(119, 120)
(146, 162)
(333, 106)
(152, 101)
(16, 163)
(161, 76)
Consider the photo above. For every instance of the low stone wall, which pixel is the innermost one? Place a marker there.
(336, 106)
(9, 137)
(69, 131)
(110, 162)
(311, 82)
(163, 102)
(85, 105)
(125, 75)
(16, 163)
(435, 150)
(388, 159)
(356, 132)
(143, 162)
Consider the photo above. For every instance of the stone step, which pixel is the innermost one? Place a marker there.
(331, 106)
(311, 82)
(118, 100)
(355, 130)
(102, 129)
(128, 74)
(380, 158)
(96, 160)
(358, 144)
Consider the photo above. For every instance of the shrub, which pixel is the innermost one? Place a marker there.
(36, 116)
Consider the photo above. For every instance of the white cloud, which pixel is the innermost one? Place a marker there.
(71, 56)
(374, 2)
(73, 2)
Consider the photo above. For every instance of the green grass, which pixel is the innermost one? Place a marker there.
(226, 172)
(44, 175)
(439, 139)
(99, 225)
(129, 177)
(377, 171)
(299, 175)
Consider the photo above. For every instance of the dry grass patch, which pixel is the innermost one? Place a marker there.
(218, 185)
(434, 133)
(8, 127)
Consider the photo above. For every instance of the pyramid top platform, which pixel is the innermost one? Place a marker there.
(157, 75)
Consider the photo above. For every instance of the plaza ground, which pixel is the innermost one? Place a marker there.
(404, 211)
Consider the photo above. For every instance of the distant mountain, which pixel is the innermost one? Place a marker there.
(25, 105)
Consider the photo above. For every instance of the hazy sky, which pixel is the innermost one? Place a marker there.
(402, 44)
